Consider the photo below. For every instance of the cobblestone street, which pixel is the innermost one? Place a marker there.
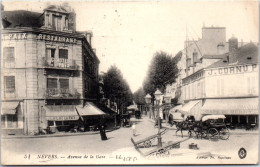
(119, 146)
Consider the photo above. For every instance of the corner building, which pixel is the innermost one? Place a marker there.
(48, 69)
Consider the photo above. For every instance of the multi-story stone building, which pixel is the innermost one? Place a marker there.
(228, 86)
(213, 53)
(48, 68)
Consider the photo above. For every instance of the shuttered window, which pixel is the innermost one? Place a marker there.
(52, 83)
(9, 84)
(63, 53)
(64, 83)
(8, 54)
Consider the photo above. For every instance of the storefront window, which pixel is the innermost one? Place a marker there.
(3, 121)
(12, 121)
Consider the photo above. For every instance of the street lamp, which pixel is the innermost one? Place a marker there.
(167, 100)
(158, 95)
(148, 101)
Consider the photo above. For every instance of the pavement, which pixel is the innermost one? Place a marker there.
(118, 147)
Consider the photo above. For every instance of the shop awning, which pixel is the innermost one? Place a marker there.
(243, 106)
(9, 108)
(132, 107)
(90, 109)
(61, 113)
(175, 108)
(192, 108)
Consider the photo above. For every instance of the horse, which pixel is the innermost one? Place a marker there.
(184, 125)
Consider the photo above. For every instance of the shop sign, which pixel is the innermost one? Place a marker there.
(62, 118)
(55, 38)
(233, 70)
(14, 36)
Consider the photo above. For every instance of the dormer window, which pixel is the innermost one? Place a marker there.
(56, 22)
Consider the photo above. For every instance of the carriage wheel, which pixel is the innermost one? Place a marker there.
(203, 134)
(213, 134)
(224, 134)
(148, 144)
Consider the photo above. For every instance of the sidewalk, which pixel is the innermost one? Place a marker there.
(58, 134)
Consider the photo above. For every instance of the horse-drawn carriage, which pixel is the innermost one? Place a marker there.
(211, 127)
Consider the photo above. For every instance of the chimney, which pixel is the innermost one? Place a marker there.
(233, 46)
(89, 35)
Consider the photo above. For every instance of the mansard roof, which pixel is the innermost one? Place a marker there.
(21, 18)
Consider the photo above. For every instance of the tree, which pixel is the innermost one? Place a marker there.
(162, 70)
(139, 96)
(116, 88)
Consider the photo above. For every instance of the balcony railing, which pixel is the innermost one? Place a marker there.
(61, 93)
(59, 63)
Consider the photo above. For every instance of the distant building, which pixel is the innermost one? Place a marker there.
(48, 69)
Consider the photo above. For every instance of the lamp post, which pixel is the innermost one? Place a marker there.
(167, 100)
(148, 101)
(158, 95)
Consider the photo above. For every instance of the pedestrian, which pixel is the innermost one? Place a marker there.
(134, 130)
(102, 131)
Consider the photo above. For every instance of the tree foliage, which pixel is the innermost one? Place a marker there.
(139, 96)
(116, 88)
(162, 70)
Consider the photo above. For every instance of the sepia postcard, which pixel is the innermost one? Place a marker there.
(129, 82)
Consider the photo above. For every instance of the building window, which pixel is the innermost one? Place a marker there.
(9, 84)
(51, 56)
(64, 83)
(63, 58)
(195, 56)
(52, 83)
(9, 121)
(56, 22)
(8, 53)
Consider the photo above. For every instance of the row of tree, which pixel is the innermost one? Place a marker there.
(163, 70)
(116, 89)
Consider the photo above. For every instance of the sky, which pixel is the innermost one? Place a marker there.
(128, 34)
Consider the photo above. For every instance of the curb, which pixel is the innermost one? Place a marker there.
(56, 135)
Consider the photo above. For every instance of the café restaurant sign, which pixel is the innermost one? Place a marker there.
(55, 38)
(46, 37)
(232, 70)
(63, 118)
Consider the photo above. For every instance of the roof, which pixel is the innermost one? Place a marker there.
(21, 18)
(242, 54)
(56, 9)
(219, 56)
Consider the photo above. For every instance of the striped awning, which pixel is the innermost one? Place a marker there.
(61, 113)
(90, 109)
(192, 108)
(241, 106)
(175, 108)
(9, 108)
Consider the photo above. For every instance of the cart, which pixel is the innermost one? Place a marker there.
(212, 127)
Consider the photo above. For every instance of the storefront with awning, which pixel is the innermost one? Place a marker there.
(91, 115)
(11, 117)
(192, 108)
(237, 111)
(62, 117)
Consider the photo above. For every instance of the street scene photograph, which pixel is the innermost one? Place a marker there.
(129, 82)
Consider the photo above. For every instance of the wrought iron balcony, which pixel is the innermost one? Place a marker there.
(55, 93)
(59, 63)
